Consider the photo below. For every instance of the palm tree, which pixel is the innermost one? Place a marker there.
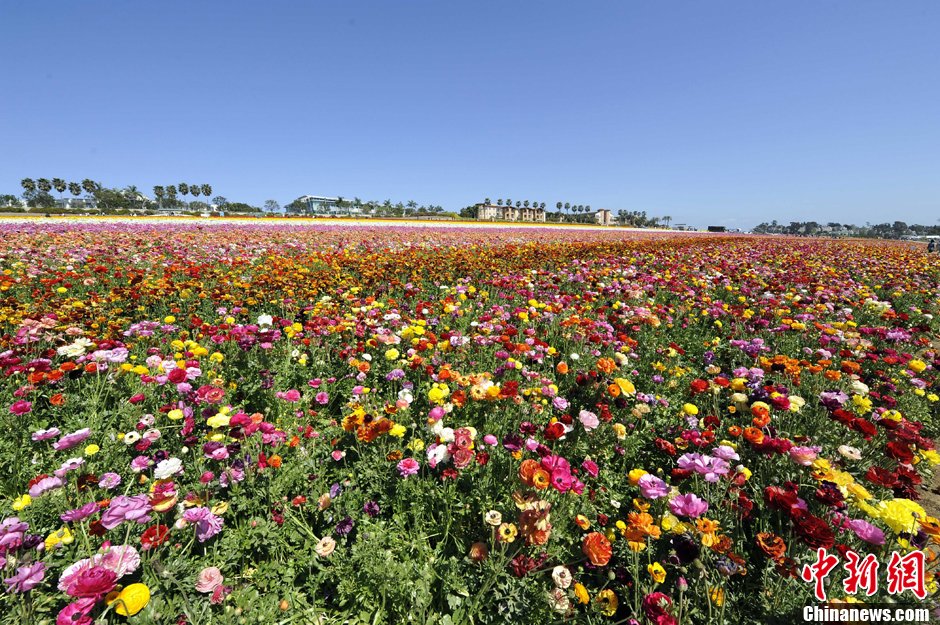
(171, 194)
(183, 188)
(44, 185)
(206, 190)
(194, 190)
(29, 186)
(667, 219)
(518, 203)
(526, 203)
(499, 202)
(59, 185)
(75, 189)
(542, 205)
(486, 202)
(89, 186)
(159, 192)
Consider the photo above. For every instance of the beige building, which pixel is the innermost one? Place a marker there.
(492, 212)
(602, 216)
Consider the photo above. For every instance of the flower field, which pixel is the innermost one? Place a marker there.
(275, 423)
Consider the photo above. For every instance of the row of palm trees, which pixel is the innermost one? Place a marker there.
(46, 185)
(171, 192)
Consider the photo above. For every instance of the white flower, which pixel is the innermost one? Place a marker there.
(559, 601)
(493, 517)
(325, 547)
(561, 576)
(852, 453)
(167, 468)
(131, 437)
(265, 320)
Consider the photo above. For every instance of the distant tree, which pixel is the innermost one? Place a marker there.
(183, 188)
(43, 185)
(508, 202)
(486, 201)
(271, 206)
(195, 190)
(499, 202)
(75, 189)
(526, 203)
(518, 203)
(29, 188)
(59, 185)
(542, 205)
(89, 186)
(159, 192)
(206, 190)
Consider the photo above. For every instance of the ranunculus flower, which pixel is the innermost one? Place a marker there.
(210, 578)
(26, 578)
(94, 582)
(21, 407)
(325, 546)
(652, 487)
(597, 548)
(689, 505)
(408, 466)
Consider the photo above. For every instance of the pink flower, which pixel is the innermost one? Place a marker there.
(292, 395)
(210, 578)
(588, 419)
(688, 505)
(591, 467)
(207, 524)
(490, 440)
(95, 582)
(45, 485)
(76, 613)
(26, 578)
(124, 508)
(21, 407)
(652, 487)
(323, 398)
(803, 455)
(122, 559)
(71, 440)
(408, 466)
(44, 435)
(867, 532)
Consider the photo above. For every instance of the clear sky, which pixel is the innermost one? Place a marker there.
(725, 112)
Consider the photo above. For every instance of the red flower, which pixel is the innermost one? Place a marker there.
(154, 536)
(899, 451)
(812, 530)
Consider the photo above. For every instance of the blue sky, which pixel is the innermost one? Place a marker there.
(711, 112)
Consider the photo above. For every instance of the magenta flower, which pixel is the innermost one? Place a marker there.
(867, 532)
(21, 407)
(652, 487)
(71, 440)
(94, 582)
(688, 505)
(73, 516)
(207, 524)
(123, 508)
(408, 466)
(26, 578)
(76, 613)
(323, 398)
(45, 485)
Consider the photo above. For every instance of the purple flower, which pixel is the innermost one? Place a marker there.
(408, 466)
(44, 435)
(71, 440)
(207, 524)
(652, 487)
(12, 533)
(345, 526)
(26, 578)
(560, 403)
(69, 465)
(688, 505)
(335, 491)
(867, 532)
(123, 508)
(833, 399)
(45, 485)
(73, 516)
(109, 480)
(371, 508)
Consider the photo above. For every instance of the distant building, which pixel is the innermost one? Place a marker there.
(76, 202)
(602, 217)
(323, 205)
(493, 212)
(717, 229)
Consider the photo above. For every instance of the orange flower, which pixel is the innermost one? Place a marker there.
(606, 365)
(613, 390)
(527, 470)
(597, 548)
(541, 479)
(57, 400)
(753, 435)
(561, 368)
(734, 430)
(772, 545)
(275, 461)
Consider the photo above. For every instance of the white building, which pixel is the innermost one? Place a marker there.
(493, 212)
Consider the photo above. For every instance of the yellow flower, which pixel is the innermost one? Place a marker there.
(917, 366)
(690, 409)
(581, 593)
(398, 430)
(392, 354)
(635, 475)
(21, 502)
(175, 415)
(63, 536)
(930, 456)
(92, 449)
(657, 572)
(131, 600)
(607, 602)
(620, 430)
(218, 421)
(507, 532)
(169, 319)
(717, 596)
(626, 387)
(416, 445)
(900, 514)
